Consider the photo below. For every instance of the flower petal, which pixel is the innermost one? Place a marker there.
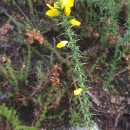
(61, 44)
(66, 3)
(67, 10)
(49, 6)
(52, 12)
(74, 22)
(77, 91)
(66, 6)
(56, 5)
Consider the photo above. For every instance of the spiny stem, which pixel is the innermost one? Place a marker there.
(78, 70)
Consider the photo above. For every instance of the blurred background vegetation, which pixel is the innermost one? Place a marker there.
(36, 79)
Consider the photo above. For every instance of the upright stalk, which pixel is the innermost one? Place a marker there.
(78, 70)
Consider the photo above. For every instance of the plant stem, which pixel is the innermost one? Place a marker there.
(78, 70)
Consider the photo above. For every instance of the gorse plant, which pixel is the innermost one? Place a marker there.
(49, 80)
(100, 17)
(14, 76)
(9, 74)
(110, 21)
(62, 9)
(12, 119)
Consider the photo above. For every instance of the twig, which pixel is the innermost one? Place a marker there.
(7, 14)
(124, 70)
(94, 99)
(117, 118)
(22, 12)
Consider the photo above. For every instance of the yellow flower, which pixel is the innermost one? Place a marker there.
(67, 11)
(61, 44)
(63, 5)
(66, 6)
(77, 91)
(74, 22)
(53, 11)
(67, 3)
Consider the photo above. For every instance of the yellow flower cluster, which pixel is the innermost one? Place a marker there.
(55, 10)
(60, 4)
(64, 5)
